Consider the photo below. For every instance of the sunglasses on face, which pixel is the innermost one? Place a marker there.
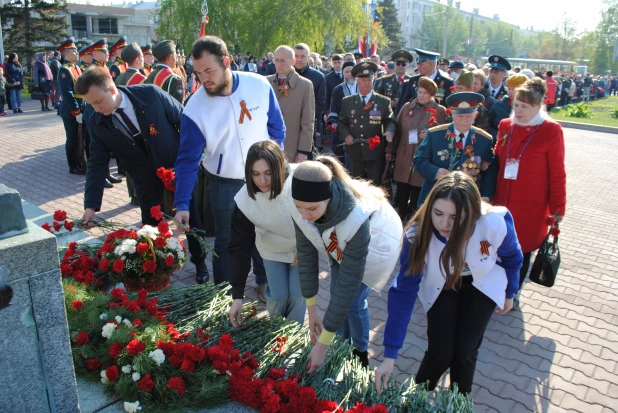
(401, 63)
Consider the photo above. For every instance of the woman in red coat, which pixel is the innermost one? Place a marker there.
(532, 177)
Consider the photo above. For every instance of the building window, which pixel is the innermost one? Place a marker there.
(108, 25)
(79, 26)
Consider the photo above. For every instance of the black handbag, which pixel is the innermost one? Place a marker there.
(37, 94)
(546, 263)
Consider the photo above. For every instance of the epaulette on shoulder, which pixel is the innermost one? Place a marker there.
(439, 128)
(483, 133)
(66, 64)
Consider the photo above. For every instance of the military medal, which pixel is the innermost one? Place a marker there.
(375, 117)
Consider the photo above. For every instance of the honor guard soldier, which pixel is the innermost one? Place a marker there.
(426, 65)
(498, 70)
(132, 55)
(85, 57)
(391, 85)
(71, 105)
(119, 65)
(164, 75)
(457, 146)
(148, 59)
(366, 121)
(465, 83)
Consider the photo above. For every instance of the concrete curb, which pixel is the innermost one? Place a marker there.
(587, 126)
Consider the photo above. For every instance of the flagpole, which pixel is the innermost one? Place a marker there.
(204, 18)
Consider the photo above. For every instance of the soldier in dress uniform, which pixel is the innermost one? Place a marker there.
(119, 65)
(148, 59)
(71, 105)
(164, 75)
(443, 64)
(391, 85)
(132, 55)
(465, 83)
(85, 57)
(364, 116)
(498, 71)
(358, 57)
(426, 66)
(457, 146)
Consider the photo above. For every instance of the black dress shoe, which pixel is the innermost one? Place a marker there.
(134, 201)
(114, 180)
(108, 184)
(201, 272)
(122, 172)
(77, 171)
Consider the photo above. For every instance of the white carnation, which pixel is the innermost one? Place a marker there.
(132, 407)
(108, 330)
(126, 369)
(127, 323)
(118, 319)
(104, 379)
(149, 330)
(181, 255)
(103, 316)
(126, 247)
(136, 376)
(148, 231)
(158, 356)
(174, 244)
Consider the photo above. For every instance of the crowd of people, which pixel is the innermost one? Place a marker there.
(291, 157)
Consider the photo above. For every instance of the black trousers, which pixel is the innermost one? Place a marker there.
(71, 128)
(456, 324)
(524, 268)
(369, 170)
(406, 199)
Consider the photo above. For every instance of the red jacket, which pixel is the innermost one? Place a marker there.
(540, 187)
(552, 87)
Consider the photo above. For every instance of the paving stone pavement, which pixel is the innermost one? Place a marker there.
(559, 354)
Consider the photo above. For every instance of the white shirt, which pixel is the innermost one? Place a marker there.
(352, 88)
(127, 107)
(494, 92)
(433, 76)
(463, 140)
(367, 97)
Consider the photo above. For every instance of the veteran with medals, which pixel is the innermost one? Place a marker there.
(366, 121)
(391, 85)
(458, 146)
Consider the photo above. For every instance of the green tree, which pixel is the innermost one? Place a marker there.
(607, 34)
(433, 29)
(502, 39)
(262, 25)
(388, 18)
(31, 26)
(477, 33)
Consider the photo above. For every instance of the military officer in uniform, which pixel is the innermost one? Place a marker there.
(71, 105)
(498, 70)
(457, 146)
(465, 83)
(148, 59)
(443, 64)
(119, 66)
(164, 75)
(364, 116)
(426, 65)
(391, 85)
(85, 57)
(358, 57)
(132, 55)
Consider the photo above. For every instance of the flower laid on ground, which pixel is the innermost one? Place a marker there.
(132, 407)
(62, 225)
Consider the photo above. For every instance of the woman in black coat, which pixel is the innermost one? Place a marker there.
(14, 81)
(43, 79)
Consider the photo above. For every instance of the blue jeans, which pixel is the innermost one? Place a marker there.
(356, 324)
(16, 98)
(283, 293)
(222, 193)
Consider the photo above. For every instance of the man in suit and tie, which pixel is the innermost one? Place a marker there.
(333, 79)
(366, 121)
(140, 124)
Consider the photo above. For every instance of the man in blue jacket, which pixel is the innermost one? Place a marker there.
(141, 126)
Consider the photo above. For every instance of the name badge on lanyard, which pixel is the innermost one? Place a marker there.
(511, 169)
(413, 137)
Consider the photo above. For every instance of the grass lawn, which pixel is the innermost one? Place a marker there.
(601, 113)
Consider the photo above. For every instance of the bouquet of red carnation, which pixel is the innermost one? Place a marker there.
(374, 142)
(167, 176)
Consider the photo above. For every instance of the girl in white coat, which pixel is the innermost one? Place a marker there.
(261, 219)
(461, 257)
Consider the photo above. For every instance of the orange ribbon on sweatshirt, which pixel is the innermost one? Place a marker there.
(334, 245)
(244, 111)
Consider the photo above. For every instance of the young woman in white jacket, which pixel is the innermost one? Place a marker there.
(261, 219)
(353, 227)
(461, 257)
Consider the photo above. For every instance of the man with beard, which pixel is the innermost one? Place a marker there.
(301, 54)
(231, 112)
(426, 65)
(348, 88)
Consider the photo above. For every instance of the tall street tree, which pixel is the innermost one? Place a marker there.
(607, 35)
(433, 30)
(388, 17)
(31, 26)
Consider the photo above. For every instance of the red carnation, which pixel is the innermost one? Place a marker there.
(134, 347)
(276, 374)
(555, 231)
(104, 264)
(77, 305)
(374, 142)
(149, 266)
(176, 383)
(163, 227)
(93, 364)
(107, 248)
(432, 120)
(46, 227)
(118, 294)
(137, 322)
(160, 242)
(452, 88)
(459, 145)
(188, 366)
(69, 225)
(332, 128)
(115, 350)
(550, 220)
(57, 226)
(141, 248)
(112, 373)
(82, 338)
(146, 383)
(113, 305)
(119, 265)
(169, 260)
(379, 408)
(448, 111)
(60, 215)
(156, 213)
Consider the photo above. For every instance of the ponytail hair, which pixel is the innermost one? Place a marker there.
(325, 167)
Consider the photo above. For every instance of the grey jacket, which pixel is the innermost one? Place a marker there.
(352, 267)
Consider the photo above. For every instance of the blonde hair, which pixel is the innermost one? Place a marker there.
(481, 75)
(324, 168)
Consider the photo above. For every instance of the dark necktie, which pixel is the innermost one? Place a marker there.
(135, 133)
(281, 81)
(493, 93)
(364, 102)
(340, 77)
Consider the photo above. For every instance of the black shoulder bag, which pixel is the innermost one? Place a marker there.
(546, 263)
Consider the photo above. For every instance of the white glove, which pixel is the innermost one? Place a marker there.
(78, 118)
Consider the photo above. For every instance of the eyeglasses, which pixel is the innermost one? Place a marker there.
(401, 63)
(281, 60)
